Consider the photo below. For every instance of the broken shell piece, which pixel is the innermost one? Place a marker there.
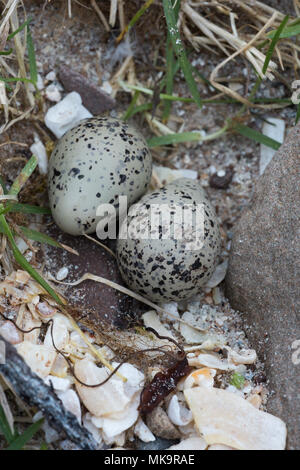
(89, 425)
(10, 333)
(58, 383)
(66, 114)
(210, 360)
(71, 402)
(45, 310)
(177, 413)
(53, 93)
(202, 377)
(245, 356)
(142, 431)
(113, 396)
(62, 273)
(225, 418)
(60, 367)
(38, 149)
(192, 443)
(160, 424)
(114, 427)
(57, 334)
(38, 357)
(151, 320)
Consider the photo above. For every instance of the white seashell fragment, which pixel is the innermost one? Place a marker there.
(53, 93)
(38, 149)
(142, 431)
(112, 397)
(151, 320)
(225, 418)
(38, 357)
(167, 175)
(177, 413)
(60, 334)
(192, 443)
(210, 360)
(87, 423)
(245, 356)
(58, 383)
(218, 275)
(71, 402)
(202, 377)
(62, 273)
(66, 114)
(10, 333)
(274, 128)
(113, 427)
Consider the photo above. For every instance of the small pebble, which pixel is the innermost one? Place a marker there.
(62, 273)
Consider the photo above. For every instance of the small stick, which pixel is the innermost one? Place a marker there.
(100, 14)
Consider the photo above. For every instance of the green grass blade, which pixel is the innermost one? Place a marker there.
(257, 136)
(27, 208)
(298, 113)
(24, 175)
(27, 435)
(39, 237)
(31, 58)
(170, 65)
(274, 41)
(26, 23)
(4, 227)
(4, 427)
(136, 17)
(140, 109)
(185, 137)
(268, 57)
(15, 79)
(128, 112)
(180, 51)
(6, 52)
(287, 32)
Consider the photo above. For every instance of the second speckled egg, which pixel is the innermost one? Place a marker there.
(169, 245)
(94, 163)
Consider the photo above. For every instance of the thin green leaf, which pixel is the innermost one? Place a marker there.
(140, 109)
(27, 208)
(268, 56)
(26, 23)
(170, 65)
(257, 136)
(4, 427)
(24, 175)
(40, 237)
(288, 32)
(31, 58)
(128, 112)
(298, 114)
(184, 137)
(274, 41)
(180, 51)
(6, 52)
(23, 262)
(136, 17)
(24, 438)
(15, 79)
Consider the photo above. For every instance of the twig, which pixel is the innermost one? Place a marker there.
(100, 14)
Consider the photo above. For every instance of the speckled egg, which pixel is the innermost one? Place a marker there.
(169, 245)
(94, 163)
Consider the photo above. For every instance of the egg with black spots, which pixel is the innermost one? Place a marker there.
(93, 164)
(169, 245)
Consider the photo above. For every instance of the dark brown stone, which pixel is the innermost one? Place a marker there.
(263, 279)
(99, 302)
(93, 98)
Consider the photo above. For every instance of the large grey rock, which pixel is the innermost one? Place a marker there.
(263, 279)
